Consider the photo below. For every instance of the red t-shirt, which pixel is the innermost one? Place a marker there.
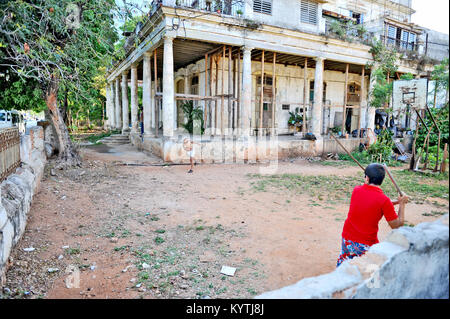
(367, 206)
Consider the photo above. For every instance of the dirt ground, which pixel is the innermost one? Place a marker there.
(157, 232)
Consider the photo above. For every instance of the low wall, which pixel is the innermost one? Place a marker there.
(215, 149)
(413, 263)
(16, 193)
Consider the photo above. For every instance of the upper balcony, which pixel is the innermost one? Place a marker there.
(222, 7)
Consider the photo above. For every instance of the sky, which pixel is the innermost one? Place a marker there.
(432, 14)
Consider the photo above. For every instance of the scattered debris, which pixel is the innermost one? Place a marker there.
(52, 270)
(229, 271)
(30, 249)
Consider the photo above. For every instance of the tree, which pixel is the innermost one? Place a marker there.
(57, 46)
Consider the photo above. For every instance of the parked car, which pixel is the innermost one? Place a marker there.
(12, 118)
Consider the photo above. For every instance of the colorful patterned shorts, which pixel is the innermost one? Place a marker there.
(350, 250)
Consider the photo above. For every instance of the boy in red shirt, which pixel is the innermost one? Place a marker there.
(367, 206)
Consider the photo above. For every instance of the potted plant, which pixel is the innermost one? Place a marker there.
(239, 12)
(295, 121)
(194, 117)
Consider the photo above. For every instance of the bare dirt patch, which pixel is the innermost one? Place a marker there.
(158, 232)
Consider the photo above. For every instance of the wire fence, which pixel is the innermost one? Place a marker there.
(9, 151)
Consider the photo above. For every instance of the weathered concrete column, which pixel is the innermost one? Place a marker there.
(316, 120)
(371, 110)
(107, 123)
(125, 103)
(246, 94)
(370, 123)
(168, 88)
(146, 94)
(112, 108)
(363, 102)
(118, 106)
(134, 100)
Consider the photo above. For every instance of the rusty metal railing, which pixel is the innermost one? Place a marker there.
(9, 151)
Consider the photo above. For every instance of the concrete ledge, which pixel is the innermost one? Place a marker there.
(411, 263)
(16, 193)
(251, 149)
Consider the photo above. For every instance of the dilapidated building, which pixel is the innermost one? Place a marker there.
(255, 68)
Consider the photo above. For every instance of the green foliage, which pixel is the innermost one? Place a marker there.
(440, 74)
(385, 60)
(407, 77)
(382, 149)
(41, 48)
(194, 118)
(442, 119)
(382, 90)
(295, 118)
(384, 57)
(19, 94)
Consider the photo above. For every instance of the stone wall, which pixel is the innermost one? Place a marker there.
(412, 263)
(16, 193)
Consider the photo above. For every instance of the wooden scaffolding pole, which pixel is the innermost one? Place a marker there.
(230, 90)
(222, 104)
(344, 109)
(274, 105)
(305, 94)
(155, 101)
(216, 103)
(261, 102)
(211, 92)
(205, 115)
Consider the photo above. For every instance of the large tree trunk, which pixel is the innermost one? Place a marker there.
(68, 156)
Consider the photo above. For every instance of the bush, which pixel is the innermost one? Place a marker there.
(194, 116)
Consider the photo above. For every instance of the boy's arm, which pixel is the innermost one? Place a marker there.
(399, 222)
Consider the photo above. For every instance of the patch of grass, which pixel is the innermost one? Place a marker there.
(120, 248)
(160, 231)
(199, 228)
(125, 233)
(159, 240)
(143, 276)
(252, 291)
(331, 188)
(417, 186)
(94, 138)
(434, 213)
(154, 218)
(221, 290)
(73, 251)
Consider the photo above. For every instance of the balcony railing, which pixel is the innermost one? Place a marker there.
(347, 31)
(225, 7)
(399, 44)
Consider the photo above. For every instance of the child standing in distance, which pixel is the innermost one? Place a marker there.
(368, 205)
(188, 146)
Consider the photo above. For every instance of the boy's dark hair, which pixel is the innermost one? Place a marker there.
(376, 174)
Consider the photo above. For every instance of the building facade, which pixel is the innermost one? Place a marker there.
(252, 66)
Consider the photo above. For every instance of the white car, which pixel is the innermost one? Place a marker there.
(12, 119)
